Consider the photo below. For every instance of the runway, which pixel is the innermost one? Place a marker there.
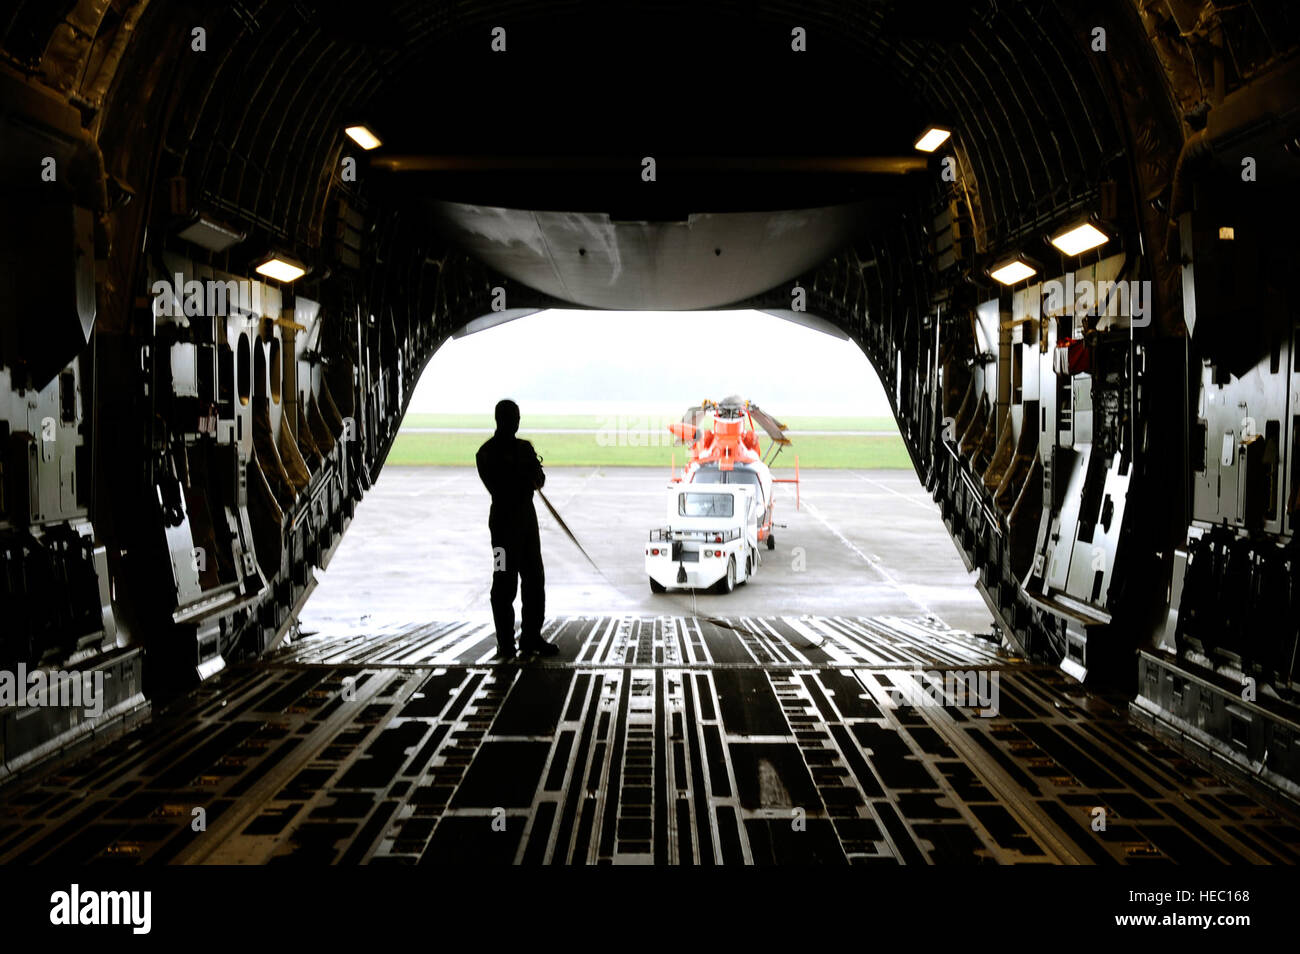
(865, 543)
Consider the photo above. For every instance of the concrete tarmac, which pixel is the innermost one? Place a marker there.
(864, 543)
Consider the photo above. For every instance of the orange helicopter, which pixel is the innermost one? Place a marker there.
(729, 453)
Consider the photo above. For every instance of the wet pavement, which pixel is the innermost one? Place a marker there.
(868, 543)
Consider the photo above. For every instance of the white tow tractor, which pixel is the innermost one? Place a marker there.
(711, 538)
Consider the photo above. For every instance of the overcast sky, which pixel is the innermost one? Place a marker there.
(579, 361)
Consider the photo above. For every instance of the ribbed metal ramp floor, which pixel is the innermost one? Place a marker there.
(647, 740)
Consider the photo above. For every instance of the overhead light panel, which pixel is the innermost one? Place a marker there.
(1080, 239)
(210, 234)
(363, 137)
(1013, 271)
(932, 139)
(281, 269)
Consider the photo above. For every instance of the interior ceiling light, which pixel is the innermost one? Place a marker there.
(932, 139)
(210, 234)
(1013, 271)
(1080, 238)
(363, 137)
(1227, 233)
(280, 269)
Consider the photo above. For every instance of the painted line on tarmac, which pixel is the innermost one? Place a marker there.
(874, 563)
(926, 504)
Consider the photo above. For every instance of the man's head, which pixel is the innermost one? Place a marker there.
(507, 417)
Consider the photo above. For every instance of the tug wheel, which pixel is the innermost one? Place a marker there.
(728, 582)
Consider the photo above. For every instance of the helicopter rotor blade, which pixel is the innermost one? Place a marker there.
(775, 429)
(692, 417)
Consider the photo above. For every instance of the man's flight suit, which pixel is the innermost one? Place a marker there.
(511, 471)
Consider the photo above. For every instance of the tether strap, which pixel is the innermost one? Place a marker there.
(569, 533)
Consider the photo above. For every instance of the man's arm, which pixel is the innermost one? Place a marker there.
(538, 475)
(486, 471)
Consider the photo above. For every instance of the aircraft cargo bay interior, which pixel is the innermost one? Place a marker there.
(655, 433)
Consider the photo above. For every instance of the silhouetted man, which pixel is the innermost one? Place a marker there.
(511, 471)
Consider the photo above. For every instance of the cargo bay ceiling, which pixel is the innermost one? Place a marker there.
(560, 120)
(173, 475)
